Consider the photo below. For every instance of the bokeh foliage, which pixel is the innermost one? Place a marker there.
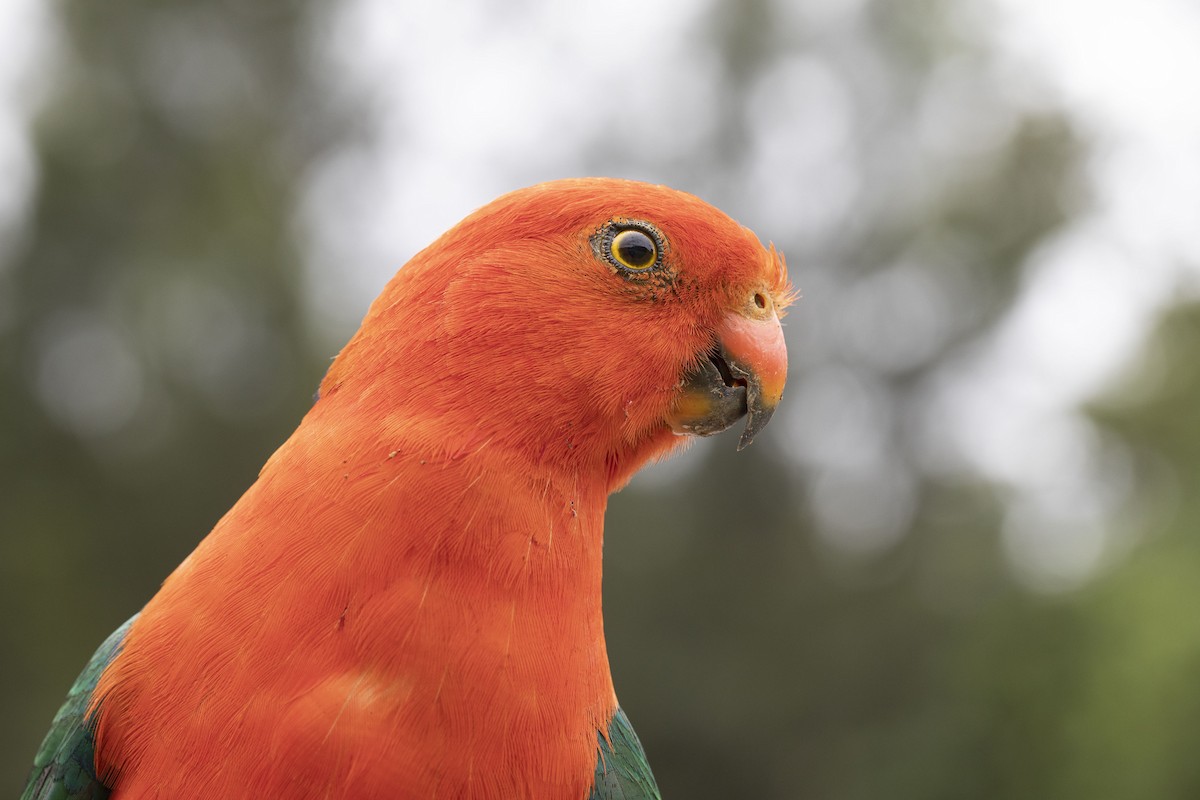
(156, 352)
(159, 350)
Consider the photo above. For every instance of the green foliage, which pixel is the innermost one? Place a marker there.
(156, 352)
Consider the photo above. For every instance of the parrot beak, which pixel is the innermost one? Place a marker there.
(742, 375)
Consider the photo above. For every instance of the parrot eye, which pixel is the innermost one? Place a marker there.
(632, 246)
(634, 250)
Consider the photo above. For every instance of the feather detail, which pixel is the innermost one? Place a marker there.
(622, 772)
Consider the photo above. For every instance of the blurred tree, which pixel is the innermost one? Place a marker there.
(839, 622)
(157, 352)
(1138, 693)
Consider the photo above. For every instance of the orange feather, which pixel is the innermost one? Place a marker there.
(407, 601)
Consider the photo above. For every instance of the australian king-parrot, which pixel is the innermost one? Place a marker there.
(406, 603)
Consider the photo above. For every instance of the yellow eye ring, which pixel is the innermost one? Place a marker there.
(634, 250)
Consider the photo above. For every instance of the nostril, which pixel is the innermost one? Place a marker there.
(760, 300)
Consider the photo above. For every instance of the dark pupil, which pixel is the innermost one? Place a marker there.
(635, 248)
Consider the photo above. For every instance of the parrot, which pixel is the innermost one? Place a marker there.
(406, 602)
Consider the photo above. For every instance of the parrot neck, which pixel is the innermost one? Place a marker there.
(472, 590)
(400, 605)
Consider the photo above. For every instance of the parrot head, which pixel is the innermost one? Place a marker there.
(578, 320)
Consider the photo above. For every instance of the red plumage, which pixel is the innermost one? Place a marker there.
(407, 601)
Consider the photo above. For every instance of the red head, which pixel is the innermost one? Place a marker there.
(578, 322)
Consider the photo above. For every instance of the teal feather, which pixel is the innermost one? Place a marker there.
(65, 765)
(622, 772)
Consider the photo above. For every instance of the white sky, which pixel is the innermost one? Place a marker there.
(24, 43)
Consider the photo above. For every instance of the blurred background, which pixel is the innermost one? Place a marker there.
(963, 562)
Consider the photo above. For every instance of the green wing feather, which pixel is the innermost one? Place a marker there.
(65, 765)
(622, 772)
